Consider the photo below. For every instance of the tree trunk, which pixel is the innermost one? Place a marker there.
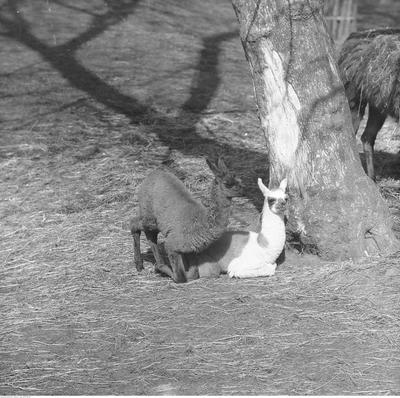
(336, 210)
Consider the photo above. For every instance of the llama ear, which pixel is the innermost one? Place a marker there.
(265, 191)
(283, 185)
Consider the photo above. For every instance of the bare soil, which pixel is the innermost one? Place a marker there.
(94, 95)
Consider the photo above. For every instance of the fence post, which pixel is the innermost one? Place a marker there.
(341, 19)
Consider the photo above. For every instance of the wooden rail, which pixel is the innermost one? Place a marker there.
(341, 18)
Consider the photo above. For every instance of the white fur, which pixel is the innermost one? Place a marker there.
(252, 262)
(258, 260)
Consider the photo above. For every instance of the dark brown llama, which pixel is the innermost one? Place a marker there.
(166, 206)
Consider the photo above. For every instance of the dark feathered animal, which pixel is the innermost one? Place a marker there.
(369, 64)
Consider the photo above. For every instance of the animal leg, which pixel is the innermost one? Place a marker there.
(178, 267)
(374, 124)
(136, 228)
(192, 271)
(357, 113)
(151, 236)
(356, 103)
(165, 269)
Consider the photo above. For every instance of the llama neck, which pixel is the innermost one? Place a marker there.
(207, 227)
(273, 227)
(219, 209)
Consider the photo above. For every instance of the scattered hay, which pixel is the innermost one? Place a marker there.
(77, 318)
(100, 327)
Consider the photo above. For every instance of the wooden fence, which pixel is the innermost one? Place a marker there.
(341, 18)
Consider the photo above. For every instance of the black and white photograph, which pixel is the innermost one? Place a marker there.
(199, 197)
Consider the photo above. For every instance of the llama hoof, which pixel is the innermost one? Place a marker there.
(139, 267)
(179, 277)
(180, 280)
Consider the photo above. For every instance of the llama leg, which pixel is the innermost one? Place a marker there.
(193, 273)
(160, 265)
(178, 266)
(374, 124)
(191, 270)
(151, 236)
(165, 269)
(136, 228)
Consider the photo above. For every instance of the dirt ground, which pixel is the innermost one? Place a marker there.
(96, 94)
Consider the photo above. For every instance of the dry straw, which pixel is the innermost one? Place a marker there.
(78, 319)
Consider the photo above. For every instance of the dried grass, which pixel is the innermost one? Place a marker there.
(78, 319)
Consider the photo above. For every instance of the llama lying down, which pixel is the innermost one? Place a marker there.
(262, 249)
(246, 254)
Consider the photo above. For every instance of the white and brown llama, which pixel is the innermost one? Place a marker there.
(246, 254)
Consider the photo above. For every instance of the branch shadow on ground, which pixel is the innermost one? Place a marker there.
(179, 133)
(62, 57)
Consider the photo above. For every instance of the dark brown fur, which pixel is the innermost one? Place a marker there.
(166, 206)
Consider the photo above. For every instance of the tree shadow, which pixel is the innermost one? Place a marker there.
(63, 59)
(207, 79)
(179, 133)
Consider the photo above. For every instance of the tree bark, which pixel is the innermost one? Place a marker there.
(336, 211)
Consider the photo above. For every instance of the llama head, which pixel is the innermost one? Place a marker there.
(229, 183)
(276, 198)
